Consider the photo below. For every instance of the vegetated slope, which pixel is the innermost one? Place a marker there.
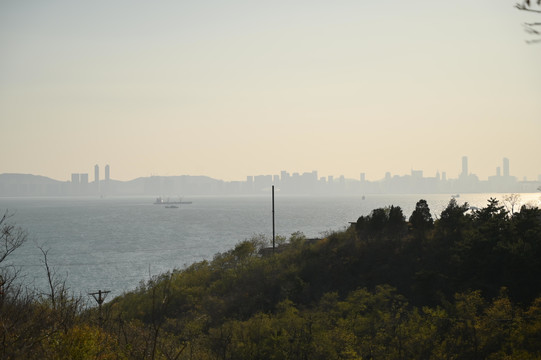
(465, 285)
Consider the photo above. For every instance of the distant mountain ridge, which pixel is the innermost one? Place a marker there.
(14, 184)
(28, 178)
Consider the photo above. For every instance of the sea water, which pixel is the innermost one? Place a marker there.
(115, 243)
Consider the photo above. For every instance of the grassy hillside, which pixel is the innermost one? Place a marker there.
(464, 286)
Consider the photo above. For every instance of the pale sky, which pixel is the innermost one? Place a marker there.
(235, 88)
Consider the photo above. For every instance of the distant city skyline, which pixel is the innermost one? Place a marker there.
(232, 88)
(464, 172)
(295, 183)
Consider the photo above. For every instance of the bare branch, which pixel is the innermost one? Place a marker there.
(57, 285)
(50, 277)
(11, 237)
(531, 30)
(526, 8)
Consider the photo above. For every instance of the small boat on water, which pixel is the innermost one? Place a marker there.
(162, 201)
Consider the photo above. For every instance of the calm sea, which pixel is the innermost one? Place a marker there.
(115, 243)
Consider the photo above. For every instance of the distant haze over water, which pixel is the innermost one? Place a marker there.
(306, 183)
(114, 243)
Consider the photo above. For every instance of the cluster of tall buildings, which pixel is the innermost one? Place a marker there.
(81, 186)
(308, 183)
(505, 164)
(412, 183)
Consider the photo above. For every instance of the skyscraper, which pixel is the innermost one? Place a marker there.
(505, 167)
(75, 183)
(97, 177)
(107, 174)
(464, 166)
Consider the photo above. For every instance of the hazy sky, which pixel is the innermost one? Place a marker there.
(235, 88)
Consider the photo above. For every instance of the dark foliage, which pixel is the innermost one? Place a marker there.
(465, 286)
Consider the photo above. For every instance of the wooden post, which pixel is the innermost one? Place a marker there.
(273, 232)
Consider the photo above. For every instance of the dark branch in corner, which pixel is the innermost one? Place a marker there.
(530, 27)
(522, 7)
(526, 6)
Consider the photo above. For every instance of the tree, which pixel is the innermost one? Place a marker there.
(378, 220)
(511, 202)
(397, 221)
(382, 221)
(493, 212)
(420, 218)
(32, 323)
(11, 238)
(453, 220)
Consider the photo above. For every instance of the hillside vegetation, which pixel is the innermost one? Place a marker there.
(464, 286)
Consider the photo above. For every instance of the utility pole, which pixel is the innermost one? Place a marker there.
(100, 298)
(273, 232)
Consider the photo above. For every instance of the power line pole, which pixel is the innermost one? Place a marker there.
(100, 298)
(273, 232)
